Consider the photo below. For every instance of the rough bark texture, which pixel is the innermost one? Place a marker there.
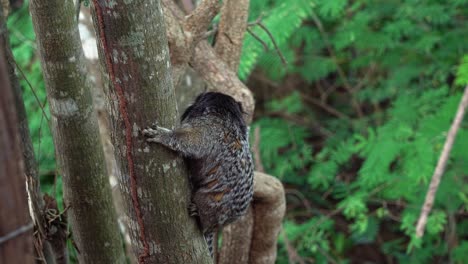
(269, 207)
(237, 240)
(88, 35)
(43, 249)
(76, 135)
(153, 180)
(185, 32)
(231, 30)
(15, 224)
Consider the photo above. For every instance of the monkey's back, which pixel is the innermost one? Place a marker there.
(222, 180)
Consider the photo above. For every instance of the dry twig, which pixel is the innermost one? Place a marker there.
(439, 170)
(16, 232)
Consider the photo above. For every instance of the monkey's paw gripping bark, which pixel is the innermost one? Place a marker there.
(154, 133)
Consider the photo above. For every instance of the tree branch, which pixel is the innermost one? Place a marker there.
(439, 170)
(269, 206)
(197, 22)
(185, 32)
(231, 31)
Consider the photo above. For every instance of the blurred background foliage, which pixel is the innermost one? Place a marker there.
(353, 125)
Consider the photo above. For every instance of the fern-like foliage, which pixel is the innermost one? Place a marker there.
(406, 61)
(281, 25)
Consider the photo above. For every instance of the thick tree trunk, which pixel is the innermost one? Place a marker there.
(15, 224)
(76, 135)
(153, 180)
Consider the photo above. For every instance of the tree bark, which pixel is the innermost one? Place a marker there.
(15, 224)
(76, 135)
(232, 27)
(134, 55)
(269, 206)
(88, 36)
(43, 249)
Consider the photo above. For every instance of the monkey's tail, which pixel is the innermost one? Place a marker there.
(209, 238)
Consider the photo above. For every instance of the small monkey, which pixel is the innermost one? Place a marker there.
(213, 138)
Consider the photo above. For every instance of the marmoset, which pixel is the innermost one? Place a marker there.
(213, 138)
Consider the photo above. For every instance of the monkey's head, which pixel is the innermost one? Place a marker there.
(213, 103)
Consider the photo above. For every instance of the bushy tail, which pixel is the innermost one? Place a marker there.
(209, 238)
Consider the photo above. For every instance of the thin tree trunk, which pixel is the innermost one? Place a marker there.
(76, 135)
(43, 249)
(15, 224)
(153, 180)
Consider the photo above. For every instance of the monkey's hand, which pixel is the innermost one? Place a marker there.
(185, 140)
(155, 133)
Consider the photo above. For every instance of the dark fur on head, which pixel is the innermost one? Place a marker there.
(216, 104)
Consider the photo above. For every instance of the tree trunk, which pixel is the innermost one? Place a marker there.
(76, 135)
(153, 180)
(15, 224)
(31, 170)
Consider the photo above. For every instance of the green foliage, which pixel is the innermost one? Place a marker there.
(462, 73)
(281, 25)
(404, 62)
